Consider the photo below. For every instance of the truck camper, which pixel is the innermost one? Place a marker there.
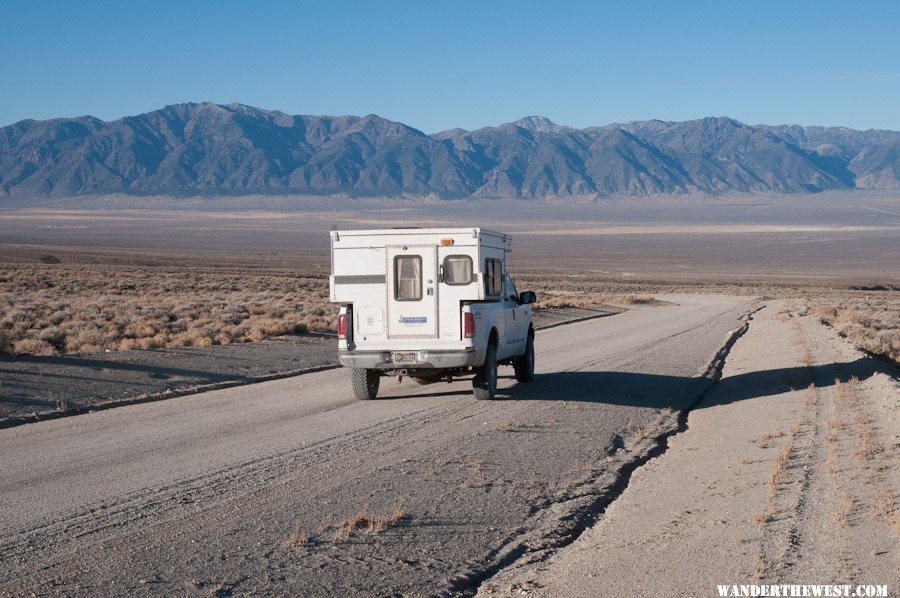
(432, 304)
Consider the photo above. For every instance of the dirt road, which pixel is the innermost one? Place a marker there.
(35, 388)
(255, 488)
(788, 473)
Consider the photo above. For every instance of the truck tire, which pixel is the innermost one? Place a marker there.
(484, 385)
(524, 364)
(365, 383)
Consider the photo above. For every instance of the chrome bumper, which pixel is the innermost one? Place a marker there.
(381, 360)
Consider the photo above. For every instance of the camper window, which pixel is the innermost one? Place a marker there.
(493, 277)
(457, 269)
(408, 278)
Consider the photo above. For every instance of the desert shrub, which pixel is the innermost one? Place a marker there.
(872, 324)
(59, 316)
(143, 327)
(32, 346)
(89, 338)
(6, 347)
(53, 336)
(638, 299)
(127, 344)
(77, 307)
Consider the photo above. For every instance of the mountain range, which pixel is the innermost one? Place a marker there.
(211, 149)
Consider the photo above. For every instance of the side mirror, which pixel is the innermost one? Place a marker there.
(526, 297)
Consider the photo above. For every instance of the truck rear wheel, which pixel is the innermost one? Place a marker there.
(484, 384)
(524, 364)
(365, 383)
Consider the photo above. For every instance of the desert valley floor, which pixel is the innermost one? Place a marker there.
(735, 413)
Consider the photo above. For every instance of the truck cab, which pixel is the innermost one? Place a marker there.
(431, 304)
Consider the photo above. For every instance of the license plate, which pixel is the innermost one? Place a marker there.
(404, 357)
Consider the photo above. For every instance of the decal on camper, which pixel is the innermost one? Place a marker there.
(413, 319)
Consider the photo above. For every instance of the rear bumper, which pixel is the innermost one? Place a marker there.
(381, 360)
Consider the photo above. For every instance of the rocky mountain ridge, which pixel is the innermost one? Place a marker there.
(211, 149)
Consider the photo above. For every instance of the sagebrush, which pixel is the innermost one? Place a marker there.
(51, 308)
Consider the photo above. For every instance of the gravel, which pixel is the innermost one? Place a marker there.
(35, 388)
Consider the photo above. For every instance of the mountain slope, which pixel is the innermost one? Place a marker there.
(236, 149)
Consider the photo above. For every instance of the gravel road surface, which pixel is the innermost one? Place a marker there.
(783, 476)
(254, 489)
(33, 388)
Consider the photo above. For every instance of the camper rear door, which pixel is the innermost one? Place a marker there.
(412, 292)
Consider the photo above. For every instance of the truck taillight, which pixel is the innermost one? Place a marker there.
(342, 326)
(468, 325)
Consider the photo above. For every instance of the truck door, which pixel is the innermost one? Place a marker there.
(516, 317)
(412, 292)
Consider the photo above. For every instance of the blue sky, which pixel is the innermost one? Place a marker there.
(437, 65)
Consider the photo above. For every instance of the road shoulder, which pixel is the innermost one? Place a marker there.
(783, 476)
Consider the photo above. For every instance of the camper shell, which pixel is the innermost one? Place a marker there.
(426, 302)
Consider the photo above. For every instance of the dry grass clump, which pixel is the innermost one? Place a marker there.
(872, 324)
(868, 448)
(780, 463)
(884, 504)
(49, 309)
(31, 346)
(504, 426)
(778, 469)
(845, 392)
(368, 520)
(775, 473)
(810, 395)
(764, 439)
(297, 538)
(841, 514)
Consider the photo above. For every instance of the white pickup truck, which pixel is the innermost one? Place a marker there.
(431, 304)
